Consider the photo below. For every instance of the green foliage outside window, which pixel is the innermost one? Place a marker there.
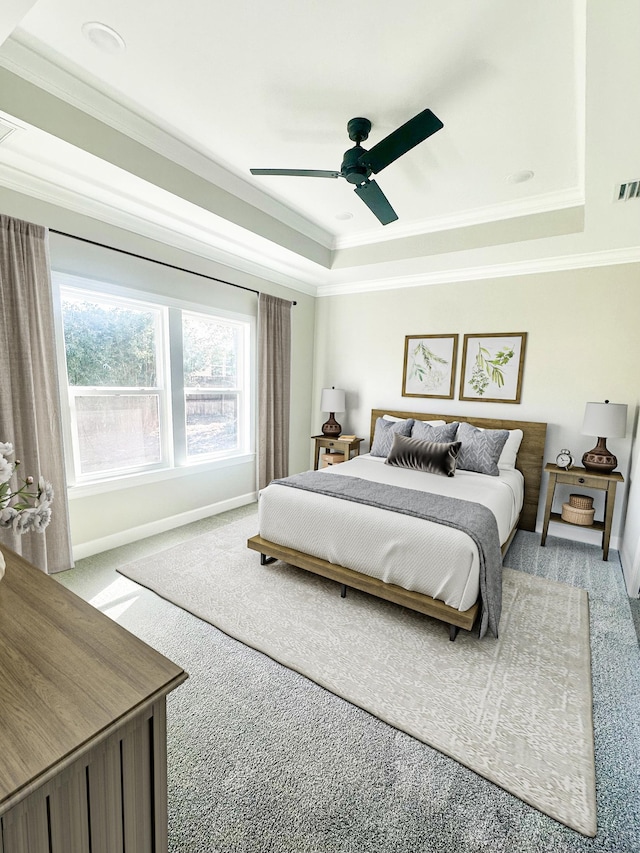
(109, 345)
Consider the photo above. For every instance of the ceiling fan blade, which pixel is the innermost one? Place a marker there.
(376, 201)
(301, 173)
(401, 140)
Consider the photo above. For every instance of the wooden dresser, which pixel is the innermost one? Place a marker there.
(82, 724)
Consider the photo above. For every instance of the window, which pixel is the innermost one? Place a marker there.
(212, 366)
(150, 386)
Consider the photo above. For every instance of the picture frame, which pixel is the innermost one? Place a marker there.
(429, 366)
(492, 367)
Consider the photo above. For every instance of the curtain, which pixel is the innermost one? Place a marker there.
(29, 399)
(274, 387)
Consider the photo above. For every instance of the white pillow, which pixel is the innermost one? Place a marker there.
(433, 423)
(507, 460)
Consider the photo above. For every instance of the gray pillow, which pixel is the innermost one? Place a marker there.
(427, 432)
(434, 457)
(384, 432)
(481, 449)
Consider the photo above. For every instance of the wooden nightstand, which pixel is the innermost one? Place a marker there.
(336, 445)
(587, 480)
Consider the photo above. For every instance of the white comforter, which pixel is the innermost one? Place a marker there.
(419, 555)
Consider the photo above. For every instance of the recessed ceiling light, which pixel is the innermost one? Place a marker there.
(344, 216)
(520, 177)
(103, 37)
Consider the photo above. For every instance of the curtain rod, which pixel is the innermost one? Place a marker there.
(154, 261)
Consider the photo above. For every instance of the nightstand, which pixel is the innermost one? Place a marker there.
(587, 480)
(337, 445)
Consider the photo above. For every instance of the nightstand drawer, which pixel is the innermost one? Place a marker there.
(578, 480)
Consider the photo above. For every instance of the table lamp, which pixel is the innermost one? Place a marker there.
(604, 420)
(332, 401)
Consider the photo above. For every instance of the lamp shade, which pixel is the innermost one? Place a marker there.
(332, 400)
(608, 420)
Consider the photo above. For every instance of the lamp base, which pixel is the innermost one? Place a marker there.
(599, 459)
(331, 428)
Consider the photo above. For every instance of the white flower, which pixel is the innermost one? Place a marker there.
(6, 470)
(45, 491)
(41, 517)
(24, 508)
(24, 521)
(7, 515)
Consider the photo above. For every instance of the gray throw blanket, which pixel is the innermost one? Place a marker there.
(474, 519)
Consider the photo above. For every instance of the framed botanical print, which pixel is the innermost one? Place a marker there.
(429, 366)
(492, 366)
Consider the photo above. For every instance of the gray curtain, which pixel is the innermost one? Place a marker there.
(29, 400)
(274, 387)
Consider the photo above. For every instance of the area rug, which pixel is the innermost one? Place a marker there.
(516, 710)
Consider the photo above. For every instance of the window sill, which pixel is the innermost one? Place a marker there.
(115, 484)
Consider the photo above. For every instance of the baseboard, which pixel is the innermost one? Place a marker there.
(133, 534)
(631, 570)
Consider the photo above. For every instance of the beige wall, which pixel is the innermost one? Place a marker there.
(583, 344)
(103, 520)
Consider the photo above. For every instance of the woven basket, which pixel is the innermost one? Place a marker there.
(581, 501)
(576, 515)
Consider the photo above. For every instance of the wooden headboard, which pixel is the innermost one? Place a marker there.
(530, 455)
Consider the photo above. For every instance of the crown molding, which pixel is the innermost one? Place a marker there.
(606, 257)
(103, 205)
(561, 200)
(141, 219)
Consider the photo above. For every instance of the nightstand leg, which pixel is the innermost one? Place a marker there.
(609, 500)
(547, 509)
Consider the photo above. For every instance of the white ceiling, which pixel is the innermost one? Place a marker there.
(220, 87)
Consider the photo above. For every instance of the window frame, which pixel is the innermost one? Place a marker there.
(174, 461)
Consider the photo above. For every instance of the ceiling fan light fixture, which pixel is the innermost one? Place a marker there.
(103, 37)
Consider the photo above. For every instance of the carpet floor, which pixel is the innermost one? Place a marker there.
(262, 759)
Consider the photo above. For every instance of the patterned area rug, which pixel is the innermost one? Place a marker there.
(516, 710)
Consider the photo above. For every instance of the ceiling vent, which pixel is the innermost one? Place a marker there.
(6, 129)
(628, 190)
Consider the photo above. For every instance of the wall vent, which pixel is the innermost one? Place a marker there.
(6, 129)
(628, 190)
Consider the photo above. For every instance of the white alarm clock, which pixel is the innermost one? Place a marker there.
(564, 459)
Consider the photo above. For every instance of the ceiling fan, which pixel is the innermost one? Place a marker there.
(358, 163)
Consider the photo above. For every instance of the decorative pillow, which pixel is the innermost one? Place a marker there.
(481, 449)
(426, 432)
(507, 461)
(384, 432)
(434, 457)
(393, 418)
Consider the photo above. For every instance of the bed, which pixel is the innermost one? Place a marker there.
(420, 564)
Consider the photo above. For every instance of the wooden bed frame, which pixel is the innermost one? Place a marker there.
(529, 462)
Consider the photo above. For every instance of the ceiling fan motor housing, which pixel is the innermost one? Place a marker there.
(351, 168)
